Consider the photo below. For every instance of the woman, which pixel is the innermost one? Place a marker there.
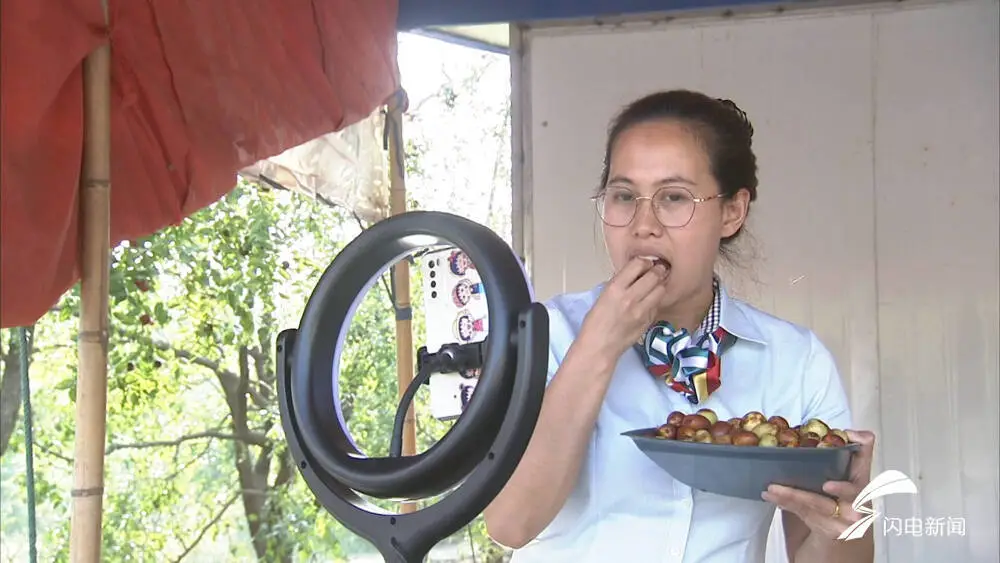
(678, 180)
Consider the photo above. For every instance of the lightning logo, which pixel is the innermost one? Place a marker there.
(890, 482)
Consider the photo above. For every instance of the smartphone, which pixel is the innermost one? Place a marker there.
(455, 312)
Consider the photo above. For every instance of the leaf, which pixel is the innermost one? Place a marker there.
(65, 384)
(160, 314)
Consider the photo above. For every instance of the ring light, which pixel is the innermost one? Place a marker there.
(485, 444)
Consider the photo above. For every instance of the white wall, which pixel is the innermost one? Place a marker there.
(877, 223)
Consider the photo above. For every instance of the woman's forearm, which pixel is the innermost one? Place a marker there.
(550, 467)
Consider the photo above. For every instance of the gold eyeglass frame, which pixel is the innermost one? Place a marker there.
(600, 195)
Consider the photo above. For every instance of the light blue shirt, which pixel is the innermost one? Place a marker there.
(624, 507)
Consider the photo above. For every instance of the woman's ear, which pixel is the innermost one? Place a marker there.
(734, 212)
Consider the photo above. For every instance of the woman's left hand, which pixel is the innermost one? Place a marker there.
(828, 518)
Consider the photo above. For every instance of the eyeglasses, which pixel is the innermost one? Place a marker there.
(673, 206)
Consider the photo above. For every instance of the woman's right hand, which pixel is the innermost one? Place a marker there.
(626, 308)
(550, 467)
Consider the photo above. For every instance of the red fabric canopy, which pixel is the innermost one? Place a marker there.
(200, 89)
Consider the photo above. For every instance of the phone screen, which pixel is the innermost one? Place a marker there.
(455, 312)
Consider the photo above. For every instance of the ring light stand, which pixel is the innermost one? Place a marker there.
(485, 444)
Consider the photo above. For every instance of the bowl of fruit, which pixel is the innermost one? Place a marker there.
(741, 457)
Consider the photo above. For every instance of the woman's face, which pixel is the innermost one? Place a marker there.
(647, 157)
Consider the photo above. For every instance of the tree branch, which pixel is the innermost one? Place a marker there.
(252, 438)
(414, 109)
(260, 365)
(262, 467)
(497, 161)
(10, 392)
(225, 376)
(253, 507)
(285, 471)
(239, 402)
(183, 466)
(257, 354)
(45, 448)
(208, 527)
(262, 355)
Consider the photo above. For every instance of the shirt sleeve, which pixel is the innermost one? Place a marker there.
(561, 337)
(825, 397)
(553, 366)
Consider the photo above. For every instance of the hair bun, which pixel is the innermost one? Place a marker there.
(731, 106)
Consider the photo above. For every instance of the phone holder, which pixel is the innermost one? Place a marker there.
(485, 444)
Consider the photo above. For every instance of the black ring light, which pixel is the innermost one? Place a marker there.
(485, 444)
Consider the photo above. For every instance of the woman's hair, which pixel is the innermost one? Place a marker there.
(720, 126)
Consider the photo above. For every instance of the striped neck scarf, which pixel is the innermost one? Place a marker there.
(688, 363)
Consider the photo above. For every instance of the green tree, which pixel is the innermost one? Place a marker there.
(192, 417)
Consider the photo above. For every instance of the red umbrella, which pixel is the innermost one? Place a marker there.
(162, 102)
(200, 89)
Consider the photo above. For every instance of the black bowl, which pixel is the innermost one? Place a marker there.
(745, 471)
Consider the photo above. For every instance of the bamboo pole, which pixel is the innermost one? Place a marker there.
(401, 271)
(92, 346)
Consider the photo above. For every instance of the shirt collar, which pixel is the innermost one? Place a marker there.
(713, 318)
(734, 319)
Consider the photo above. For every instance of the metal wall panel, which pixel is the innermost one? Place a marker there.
(877, 224)
(936, 172)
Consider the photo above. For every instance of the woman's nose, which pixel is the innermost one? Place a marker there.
(645, 222)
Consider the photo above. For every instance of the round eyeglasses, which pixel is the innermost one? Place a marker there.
(673, 206)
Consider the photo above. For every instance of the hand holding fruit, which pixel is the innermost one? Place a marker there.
(626, 307)
(827, 518)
